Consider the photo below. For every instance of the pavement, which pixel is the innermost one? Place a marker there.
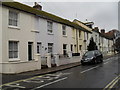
(65, 63)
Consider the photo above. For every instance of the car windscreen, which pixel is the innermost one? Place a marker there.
(89, 54)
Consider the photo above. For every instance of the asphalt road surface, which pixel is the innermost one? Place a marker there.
(103, 75)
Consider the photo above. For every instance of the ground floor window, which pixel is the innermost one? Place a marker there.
(64, 49)
(13, 49)
(38, 47)
(50, 47)
(80, 47)
(30, 51)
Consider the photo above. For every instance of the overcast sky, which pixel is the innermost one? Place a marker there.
(103, 14)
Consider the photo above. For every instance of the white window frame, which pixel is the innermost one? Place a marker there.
(87, 35)
(65, 49)
(13, 58)
(79, 34)
(32, 44)
(38, 47)
(13, 19)
(49, 26)
(50, 47)
(64, 32)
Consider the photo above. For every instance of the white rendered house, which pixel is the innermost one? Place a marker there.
(28, 33)
(18, 40)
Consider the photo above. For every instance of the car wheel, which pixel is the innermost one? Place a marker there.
(82, 63)
(94, 61)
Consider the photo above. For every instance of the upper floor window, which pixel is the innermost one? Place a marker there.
(79, 34)
(63, 29)
(87, 36)
(13, 49)
(73, 32)
(13, 18)
(49, 27)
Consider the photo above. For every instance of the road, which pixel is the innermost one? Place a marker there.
(103, 75)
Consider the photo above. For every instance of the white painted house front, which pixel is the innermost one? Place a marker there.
(18, 41)
(28, 33)
(56, 38)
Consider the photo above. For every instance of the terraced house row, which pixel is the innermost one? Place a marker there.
(28, 35)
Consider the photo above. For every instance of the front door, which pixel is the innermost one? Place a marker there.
(30, 47)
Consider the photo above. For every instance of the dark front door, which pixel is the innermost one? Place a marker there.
(30, 45)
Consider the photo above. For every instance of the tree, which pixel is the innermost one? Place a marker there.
(92, 45)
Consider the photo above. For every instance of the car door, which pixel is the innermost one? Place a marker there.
(97, 56)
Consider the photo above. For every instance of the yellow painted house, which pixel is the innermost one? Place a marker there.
(82, 36)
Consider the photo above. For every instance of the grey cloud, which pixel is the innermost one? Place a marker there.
(104, 14)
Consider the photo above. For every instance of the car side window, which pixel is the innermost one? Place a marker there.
(96, 53)
(99, 53)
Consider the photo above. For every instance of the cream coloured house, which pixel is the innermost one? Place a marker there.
(83, 36)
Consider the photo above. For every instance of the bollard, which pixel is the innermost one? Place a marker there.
(48, 55)
(57, 59)
(38, 58)
(70, 54)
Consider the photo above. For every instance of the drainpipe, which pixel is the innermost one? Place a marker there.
(77, 40)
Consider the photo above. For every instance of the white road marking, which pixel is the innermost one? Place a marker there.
(15, 86)
(89, 69)
(106, 62)
(97, 66)
(50, 83)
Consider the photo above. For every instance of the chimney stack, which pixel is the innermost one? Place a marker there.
(96, 29)
(102, 30)
(37, 6)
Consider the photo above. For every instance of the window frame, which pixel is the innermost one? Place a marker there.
(13, 58)
(64, 31)
(65, 49)
(50, 27)
(13, 19)
(50, 47)
(39, 49)
(79, 34)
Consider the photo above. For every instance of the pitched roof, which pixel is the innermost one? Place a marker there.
(80, 23)
(42, 14)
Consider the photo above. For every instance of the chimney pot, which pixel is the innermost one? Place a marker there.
(37, 6)
(102, 30)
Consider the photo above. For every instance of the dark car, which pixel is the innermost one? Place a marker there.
(94, 56)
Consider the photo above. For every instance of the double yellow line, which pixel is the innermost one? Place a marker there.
(112, 83)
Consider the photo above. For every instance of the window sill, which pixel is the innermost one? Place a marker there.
(14, 60)
(14, 27)
(64, 35)
(50, 34)
(36, 31)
